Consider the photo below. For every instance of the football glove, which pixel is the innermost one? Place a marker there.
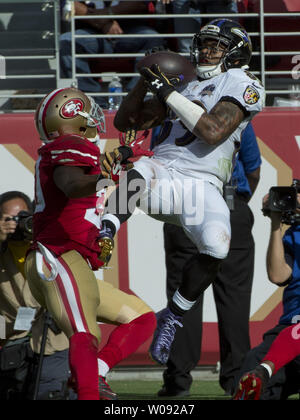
(157, 81)
(117, 161)
(112, 164)
(129, 140)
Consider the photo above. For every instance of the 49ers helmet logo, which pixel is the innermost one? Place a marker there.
(71, 108)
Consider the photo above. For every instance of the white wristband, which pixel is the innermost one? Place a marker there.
(268, 368)
(188, 112)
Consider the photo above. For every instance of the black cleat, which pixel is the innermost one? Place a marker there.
(168, 392)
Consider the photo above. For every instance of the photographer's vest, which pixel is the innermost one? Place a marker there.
(15, 293)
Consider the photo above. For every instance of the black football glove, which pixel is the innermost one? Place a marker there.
(158, 82)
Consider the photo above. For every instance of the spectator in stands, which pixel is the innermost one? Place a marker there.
(192, 24)
(138, 44)
(283, 259)
(20, 344)
(29, 31)
(232, 287)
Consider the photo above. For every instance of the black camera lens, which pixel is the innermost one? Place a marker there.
(285, 202)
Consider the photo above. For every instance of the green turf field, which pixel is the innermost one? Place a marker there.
(147, 390)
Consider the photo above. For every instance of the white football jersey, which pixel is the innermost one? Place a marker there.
(192, 156)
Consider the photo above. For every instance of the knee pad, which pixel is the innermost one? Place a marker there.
(216, 240)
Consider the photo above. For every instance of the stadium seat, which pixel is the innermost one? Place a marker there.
(30, 32)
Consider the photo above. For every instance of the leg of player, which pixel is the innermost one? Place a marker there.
(122, 342)
(183, 299)
(283, 350)
(212, 237)
(135, 322)
(72, 298)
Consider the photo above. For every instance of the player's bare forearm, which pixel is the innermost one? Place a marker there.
(73, 182)
(138, 113)
(219, 123)
(278, 270)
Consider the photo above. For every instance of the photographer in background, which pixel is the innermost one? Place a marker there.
(283, 262)
(22, 319)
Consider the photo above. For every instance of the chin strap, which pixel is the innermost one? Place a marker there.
(207, 72)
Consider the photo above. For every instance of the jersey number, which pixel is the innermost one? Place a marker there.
(164, 133)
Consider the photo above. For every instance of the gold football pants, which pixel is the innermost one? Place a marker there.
(75, 298)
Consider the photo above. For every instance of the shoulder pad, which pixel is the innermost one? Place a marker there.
(252, 76)
(73, 150)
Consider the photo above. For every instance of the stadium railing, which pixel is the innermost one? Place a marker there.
(29, 53)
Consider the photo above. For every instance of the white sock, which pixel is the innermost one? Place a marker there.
(103, 368)
(268, 369)
(181, 302)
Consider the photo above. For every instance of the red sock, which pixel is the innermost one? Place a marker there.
(285, 347)
(127, 338)
(84, 366)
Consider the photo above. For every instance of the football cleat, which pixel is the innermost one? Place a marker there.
(106, 243)
(170, 392)
(105, 391)
(164, 335)
(252, 384)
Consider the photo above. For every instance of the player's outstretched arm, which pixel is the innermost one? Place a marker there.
(212, 127)
(137, 112)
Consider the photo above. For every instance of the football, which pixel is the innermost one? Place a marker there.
(172, 65)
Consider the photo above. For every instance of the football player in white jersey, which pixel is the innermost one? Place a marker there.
(182, 182)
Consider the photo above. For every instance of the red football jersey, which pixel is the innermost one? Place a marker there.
(61, 223)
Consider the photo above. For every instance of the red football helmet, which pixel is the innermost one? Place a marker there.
(69, 111)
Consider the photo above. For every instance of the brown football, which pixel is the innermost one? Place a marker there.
(171, 64)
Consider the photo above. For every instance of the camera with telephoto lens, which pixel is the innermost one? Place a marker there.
(24, 226)
(284, 200)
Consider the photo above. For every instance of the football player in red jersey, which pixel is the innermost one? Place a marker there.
(66, 247)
